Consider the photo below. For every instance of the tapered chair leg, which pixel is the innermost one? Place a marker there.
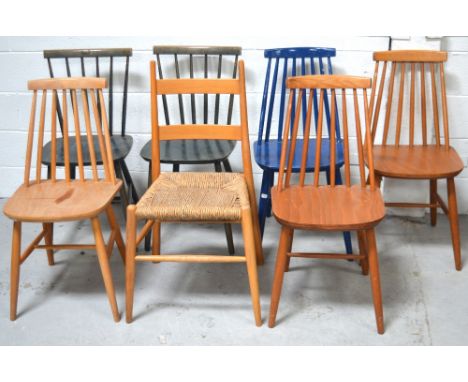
(375, 280)
(49, 240)
(116, 228)
(148, 235)
(123, 189)
(250, 255)
(281, 260)
(363, 251)
(433, 200)
(15, 269)
(105, 267)
(346, 234)
(156, 249)
(227, 226)
(288, 259)
(263, 203)
(130, 262)
(453, 217)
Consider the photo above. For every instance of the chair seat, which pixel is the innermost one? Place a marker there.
(121, 146)
(60, 201)
(268, 155)
(192, 196)
(191, 151)
(328, 208)
(417, 162)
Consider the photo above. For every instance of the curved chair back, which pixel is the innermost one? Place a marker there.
(290, 62)
(350, 90)
(112, 64)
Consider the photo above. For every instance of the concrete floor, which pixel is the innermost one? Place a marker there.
(324, 302)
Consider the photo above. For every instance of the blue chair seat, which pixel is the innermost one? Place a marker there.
(268, 153)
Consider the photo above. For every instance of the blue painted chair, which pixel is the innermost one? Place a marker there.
(282, 63)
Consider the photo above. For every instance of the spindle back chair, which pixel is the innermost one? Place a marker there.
(196, 62)
(306, 202)
(197, 196)
(60, 197)
(112, 64)
(282, 63)
(415, 142)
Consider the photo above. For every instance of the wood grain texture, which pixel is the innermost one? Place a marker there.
(411, 56)
(67, 83)
(325, 81)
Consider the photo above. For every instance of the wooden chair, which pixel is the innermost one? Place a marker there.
(267, 149)
(196, 196)
(356, 207)
(412, 155)
(61, 198)
(84, 62)
(196, 62)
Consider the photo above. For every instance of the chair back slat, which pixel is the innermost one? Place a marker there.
(53, 141)
(327, 86)
(41, 136)
(181, 101)
(32, 118)
(66, 142)
(108, 150)
(231, 97)
(220, 65)
(89, 135)
(91, 57)
(79, 148)
(102, 148)
(420, 64)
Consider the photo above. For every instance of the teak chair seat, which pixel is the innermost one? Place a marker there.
(417, 162)
(50, 201)
(208, 197)
(308, 205)
(192, 196)
(60, 197)
(415, 140)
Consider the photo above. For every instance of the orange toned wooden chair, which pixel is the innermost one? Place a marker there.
(347, 207)
(47, 201)
(414, 155)
(187, 197)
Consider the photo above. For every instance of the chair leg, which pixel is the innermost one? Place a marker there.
(288, 259)
(250, 255)
(227, 226)
(156, 249)
(363, 251)
(263, 203)
(105, 267)
(49, 240)
(116, 228)
(271, 179)
(346, 234)
(175, 167)
(128, 179)
(148, 235)
(433, 200)
(130, 262)
(279, 274)
(15, 268)
(453, 217)
(375, 279)
(123, 191)
(227, 165)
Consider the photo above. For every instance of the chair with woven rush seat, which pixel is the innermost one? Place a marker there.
(332, 207)
(64, 199)
(267, 149)
(195, 62)
(86, 61)
(416, 153)
(214, 197)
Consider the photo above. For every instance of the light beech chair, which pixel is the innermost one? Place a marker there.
(47, 201)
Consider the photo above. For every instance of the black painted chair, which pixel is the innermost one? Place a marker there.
(90, 62)
(195, 62)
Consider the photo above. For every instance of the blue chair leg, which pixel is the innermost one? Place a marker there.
(347, 234)
(271, 183)
(263, 202)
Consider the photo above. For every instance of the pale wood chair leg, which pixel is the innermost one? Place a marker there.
(375, 279)
(433, 200)
(363, 251)
(156, 248)
(281, 260)
(251, 258)
(105, 268)
(130, 262)
(115, 227)
(288, 259)
(453, 217)
(257, 234)
(15, 268)
(49, 240)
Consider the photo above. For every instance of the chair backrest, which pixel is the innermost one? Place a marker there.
(322, 84)
(291, 62)
(234, 87)
(197, 62)
(84, 112)
(112, 64)
(425, 95)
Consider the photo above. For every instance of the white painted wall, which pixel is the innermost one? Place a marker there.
(21, 59)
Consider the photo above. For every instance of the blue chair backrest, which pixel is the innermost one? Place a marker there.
(295, 61)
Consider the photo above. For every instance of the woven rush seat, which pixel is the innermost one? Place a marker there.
(191, 196)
